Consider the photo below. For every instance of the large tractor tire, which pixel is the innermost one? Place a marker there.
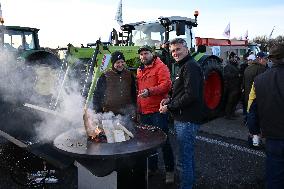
(213, 85)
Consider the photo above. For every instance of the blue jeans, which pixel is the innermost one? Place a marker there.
(161, 121)
(274, 164)
(185, 138)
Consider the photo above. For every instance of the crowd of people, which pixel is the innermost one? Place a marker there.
(155, 98)
(259, 83)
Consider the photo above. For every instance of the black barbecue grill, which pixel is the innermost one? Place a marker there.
(128, 158)
(75, 143)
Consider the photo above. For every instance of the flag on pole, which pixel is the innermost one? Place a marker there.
(118, 16)
(103, 64)
(271, 32)
(227, 31)
(1, 18)
(0, 11)
(245, 37)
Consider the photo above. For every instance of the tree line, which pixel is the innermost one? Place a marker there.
(266, 43)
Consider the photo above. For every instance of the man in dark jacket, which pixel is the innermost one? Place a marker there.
(255, 68)
(232, 83)
(269, 89)
(185, 105)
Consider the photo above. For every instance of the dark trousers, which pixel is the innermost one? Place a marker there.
(232, 96)
(253, 120)
(161, 121)
(274, 164)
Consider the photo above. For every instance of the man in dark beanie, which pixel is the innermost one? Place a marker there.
(269, 92)
(116, 89)
(115, 56)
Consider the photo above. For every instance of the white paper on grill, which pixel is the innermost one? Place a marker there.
(118, 135)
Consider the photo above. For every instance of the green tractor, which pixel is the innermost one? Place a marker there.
(22, 56)
(155, 34)
(23, 44)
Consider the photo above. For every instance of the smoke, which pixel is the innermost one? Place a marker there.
(126, 120)
(42, 86)
(38, 85)
(13, 78)
(69, 114)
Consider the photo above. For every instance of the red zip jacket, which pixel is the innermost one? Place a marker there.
(155, 78)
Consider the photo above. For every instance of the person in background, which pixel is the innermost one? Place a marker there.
(192, 50)
(201, 50)
(232, 84)
(154, 84)
(164, 54)
(185, 105)
(251, 58)
(255, 68)
(269, 92)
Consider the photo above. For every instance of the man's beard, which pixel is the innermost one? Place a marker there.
(119, 69)
(148, 61)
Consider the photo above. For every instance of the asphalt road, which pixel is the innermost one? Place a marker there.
(223, 160)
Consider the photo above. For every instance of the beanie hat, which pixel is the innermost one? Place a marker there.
(115, 56)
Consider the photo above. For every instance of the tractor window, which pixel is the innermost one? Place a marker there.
(148, 34)
(153, 34)
(12, 42)
(29, 40)
(18, 40)
(187, 36)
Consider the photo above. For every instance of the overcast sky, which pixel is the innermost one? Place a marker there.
(84, 21)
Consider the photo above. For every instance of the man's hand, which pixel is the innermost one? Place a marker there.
(163, 109)
(143, 93)
(164, 101)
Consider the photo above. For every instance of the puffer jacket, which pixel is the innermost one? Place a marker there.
(155, 78)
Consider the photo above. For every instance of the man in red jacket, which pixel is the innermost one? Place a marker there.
(154, 84)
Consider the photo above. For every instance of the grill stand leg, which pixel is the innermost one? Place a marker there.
(86, 180)
(129, 173)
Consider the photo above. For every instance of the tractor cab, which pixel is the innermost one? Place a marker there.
(15, 38)
(157, 32)
(22, 43)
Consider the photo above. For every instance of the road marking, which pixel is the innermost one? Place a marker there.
(233, 146)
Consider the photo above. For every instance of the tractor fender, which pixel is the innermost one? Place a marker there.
(43, 57)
